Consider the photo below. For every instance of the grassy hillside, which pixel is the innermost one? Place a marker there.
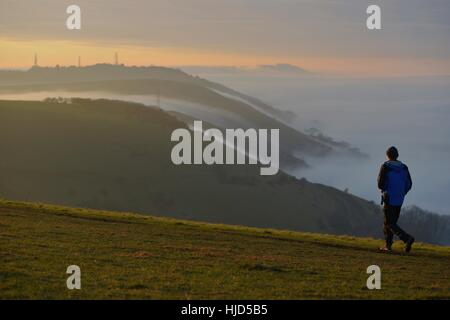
(103, 72)
(115, 155)
(290, 138)
(124, 255)
(174, 84)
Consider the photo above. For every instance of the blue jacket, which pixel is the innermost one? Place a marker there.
(394, 180)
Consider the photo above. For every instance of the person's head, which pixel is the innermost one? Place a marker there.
(392, 153)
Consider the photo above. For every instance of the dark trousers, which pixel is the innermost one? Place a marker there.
(391, 215)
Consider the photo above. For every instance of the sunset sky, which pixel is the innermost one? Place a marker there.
(325, 36)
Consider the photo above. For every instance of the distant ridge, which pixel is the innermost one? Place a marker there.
(264, 69)
(96, 72)
(237, 109)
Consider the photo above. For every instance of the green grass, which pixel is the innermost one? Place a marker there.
(124, 255)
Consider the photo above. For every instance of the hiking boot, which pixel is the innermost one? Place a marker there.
(409, 244)
(385, 249)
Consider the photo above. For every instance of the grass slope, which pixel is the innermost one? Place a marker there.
(115, 155)
(124, 255)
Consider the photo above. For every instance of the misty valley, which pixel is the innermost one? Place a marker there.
(135, 137)
(216, 153)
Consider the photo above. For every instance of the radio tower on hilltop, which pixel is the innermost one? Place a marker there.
(35, 60)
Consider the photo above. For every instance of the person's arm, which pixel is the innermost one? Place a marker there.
(382, 178)
(408, 180)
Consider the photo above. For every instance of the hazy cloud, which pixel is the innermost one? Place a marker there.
(411, 28)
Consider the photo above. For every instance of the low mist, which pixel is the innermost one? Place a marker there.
(372, 114)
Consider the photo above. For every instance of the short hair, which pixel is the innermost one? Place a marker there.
(392, 153)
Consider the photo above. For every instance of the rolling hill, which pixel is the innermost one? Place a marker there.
(130, 256)
(181, 92)
(115, 155)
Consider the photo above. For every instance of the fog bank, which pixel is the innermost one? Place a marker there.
(372, 114)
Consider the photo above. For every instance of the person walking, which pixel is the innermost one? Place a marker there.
(394, 181)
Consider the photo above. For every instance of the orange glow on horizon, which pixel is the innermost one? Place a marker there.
(20, 54)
